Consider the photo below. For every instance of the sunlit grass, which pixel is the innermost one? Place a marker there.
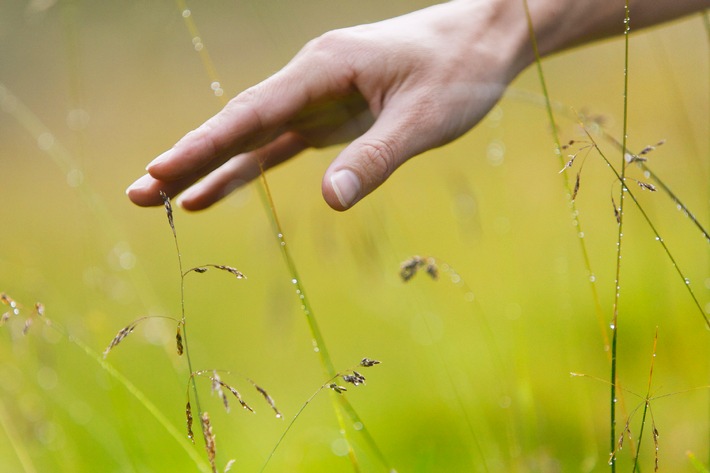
(504, 227)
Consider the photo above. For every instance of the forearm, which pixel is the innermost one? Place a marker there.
(562, 24)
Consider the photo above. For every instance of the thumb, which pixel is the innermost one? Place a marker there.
(369, 160)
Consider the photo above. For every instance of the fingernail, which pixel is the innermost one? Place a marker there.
(346, 186)
(140, 183)
(163, 157)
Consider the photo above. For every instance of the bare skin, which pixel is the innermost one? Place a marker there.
(391, 89)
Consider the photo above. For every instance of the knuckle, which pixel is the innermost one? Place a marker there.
(328, 43)
(378, 159)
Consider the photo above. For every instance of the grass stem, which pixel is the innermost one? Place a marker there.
(620, 235)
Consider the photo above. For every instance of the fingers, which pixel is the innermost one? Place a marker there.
(231, 175)
(250, 120)
(239, 171)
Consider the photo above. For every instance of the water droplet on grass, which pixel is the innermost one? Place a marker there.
(45, 141)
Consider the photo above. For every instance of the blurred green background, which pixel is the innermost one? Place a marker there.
(90, 92)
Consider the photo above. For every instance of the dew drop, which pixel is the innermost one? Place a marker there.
(358, 426)
(495, 153)
(592, 278)
(612, 326)
(45, 141)
(687, 281)
(581, 234)
(294, 281)
(186, 13)
(75, 178)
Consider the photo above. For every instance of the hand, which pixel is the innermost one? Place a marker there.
(395, 88)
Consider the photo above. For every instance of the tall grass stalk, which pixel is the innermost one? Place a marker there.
(131, 388)
(646, 405)
(183, 320)
(65, 161)
(649, 222)
(23, 456)
(620, 233)
(318, 341)
(569, 192)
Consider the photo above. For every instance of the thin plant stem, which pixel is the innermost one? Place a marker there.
(657, 235)
(617, 278)
(136, 393)
(293, 421)
(183, 320)
(317, 338)
(18, 447)
(647, 403)
(573, 206)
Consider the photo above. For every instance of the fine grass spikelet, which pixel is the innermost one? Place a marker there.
(367, 362)
(188, 415)
(230, 269)
(355, 379)
(210, 444)
(409, 268)
(268, 399)
(338, 389)
(121, 335)
(168, 210)
(178, 340)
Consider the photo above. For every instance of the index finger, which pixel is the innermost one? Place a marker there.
(251, 119)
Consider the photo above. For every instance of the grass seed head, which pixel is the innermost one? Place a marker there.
(188, 415)
(229, 269)
(337, 389)
(178, 341)
(210, 445)
(236, 394)
(122, 334)
(168, 209)
(268, 399)
(355, 379)
(9, 301)
(576, 185)
(367, 362)
(431, 269)
(617, 212)
(646, 186)
(410, 267)
(217, 384)
(28, 324)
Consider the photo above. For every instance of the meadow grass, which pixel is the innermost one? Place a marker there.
(474, 374)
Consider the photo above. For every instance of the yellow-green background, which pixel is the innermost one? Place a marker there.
(463, 387)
